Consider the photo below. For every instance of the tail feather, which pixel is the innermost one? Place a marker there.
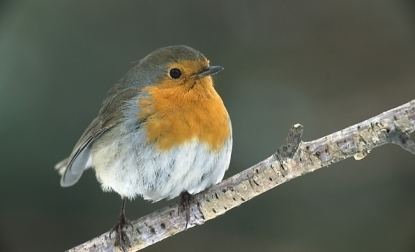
(61, 166)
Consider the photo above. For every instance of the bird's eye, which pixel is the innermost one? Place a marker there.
(175, 73)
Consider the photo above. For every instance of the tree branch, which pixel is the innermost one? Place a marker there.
(293, 159)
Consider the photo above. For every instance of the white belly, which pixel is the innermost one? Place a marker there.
(130, 166)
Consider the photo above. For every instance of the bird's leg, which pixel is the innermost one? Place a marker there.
(184, 205)
(121, 238)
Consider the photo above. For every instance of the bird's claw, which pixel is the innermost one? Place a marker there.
(184, 206)
(121, 238)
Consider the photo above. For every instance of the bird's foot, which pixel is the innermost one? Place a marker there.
(121, 237)
(184, 205)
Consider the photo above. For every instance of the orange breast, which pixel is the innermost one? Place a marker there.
(174, 114)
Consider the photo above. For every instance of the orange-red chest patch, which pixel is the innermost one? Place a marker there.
(174, 114)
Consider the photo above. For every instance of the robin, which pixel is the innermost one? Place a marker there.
(162, 131)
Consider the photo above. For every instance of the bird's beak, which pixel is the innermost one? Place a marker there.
(211, 70)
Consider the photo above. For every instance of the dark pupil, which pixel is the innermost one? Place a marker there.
(175, 73)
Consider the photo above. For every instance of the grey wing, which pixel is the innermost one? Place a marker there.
(72, 168)
(110, 115)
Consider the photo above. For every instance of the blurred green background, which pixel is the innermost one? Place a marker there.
(325, 64)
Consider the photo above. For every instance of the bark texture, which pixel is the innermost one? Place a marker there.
(295, 158)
